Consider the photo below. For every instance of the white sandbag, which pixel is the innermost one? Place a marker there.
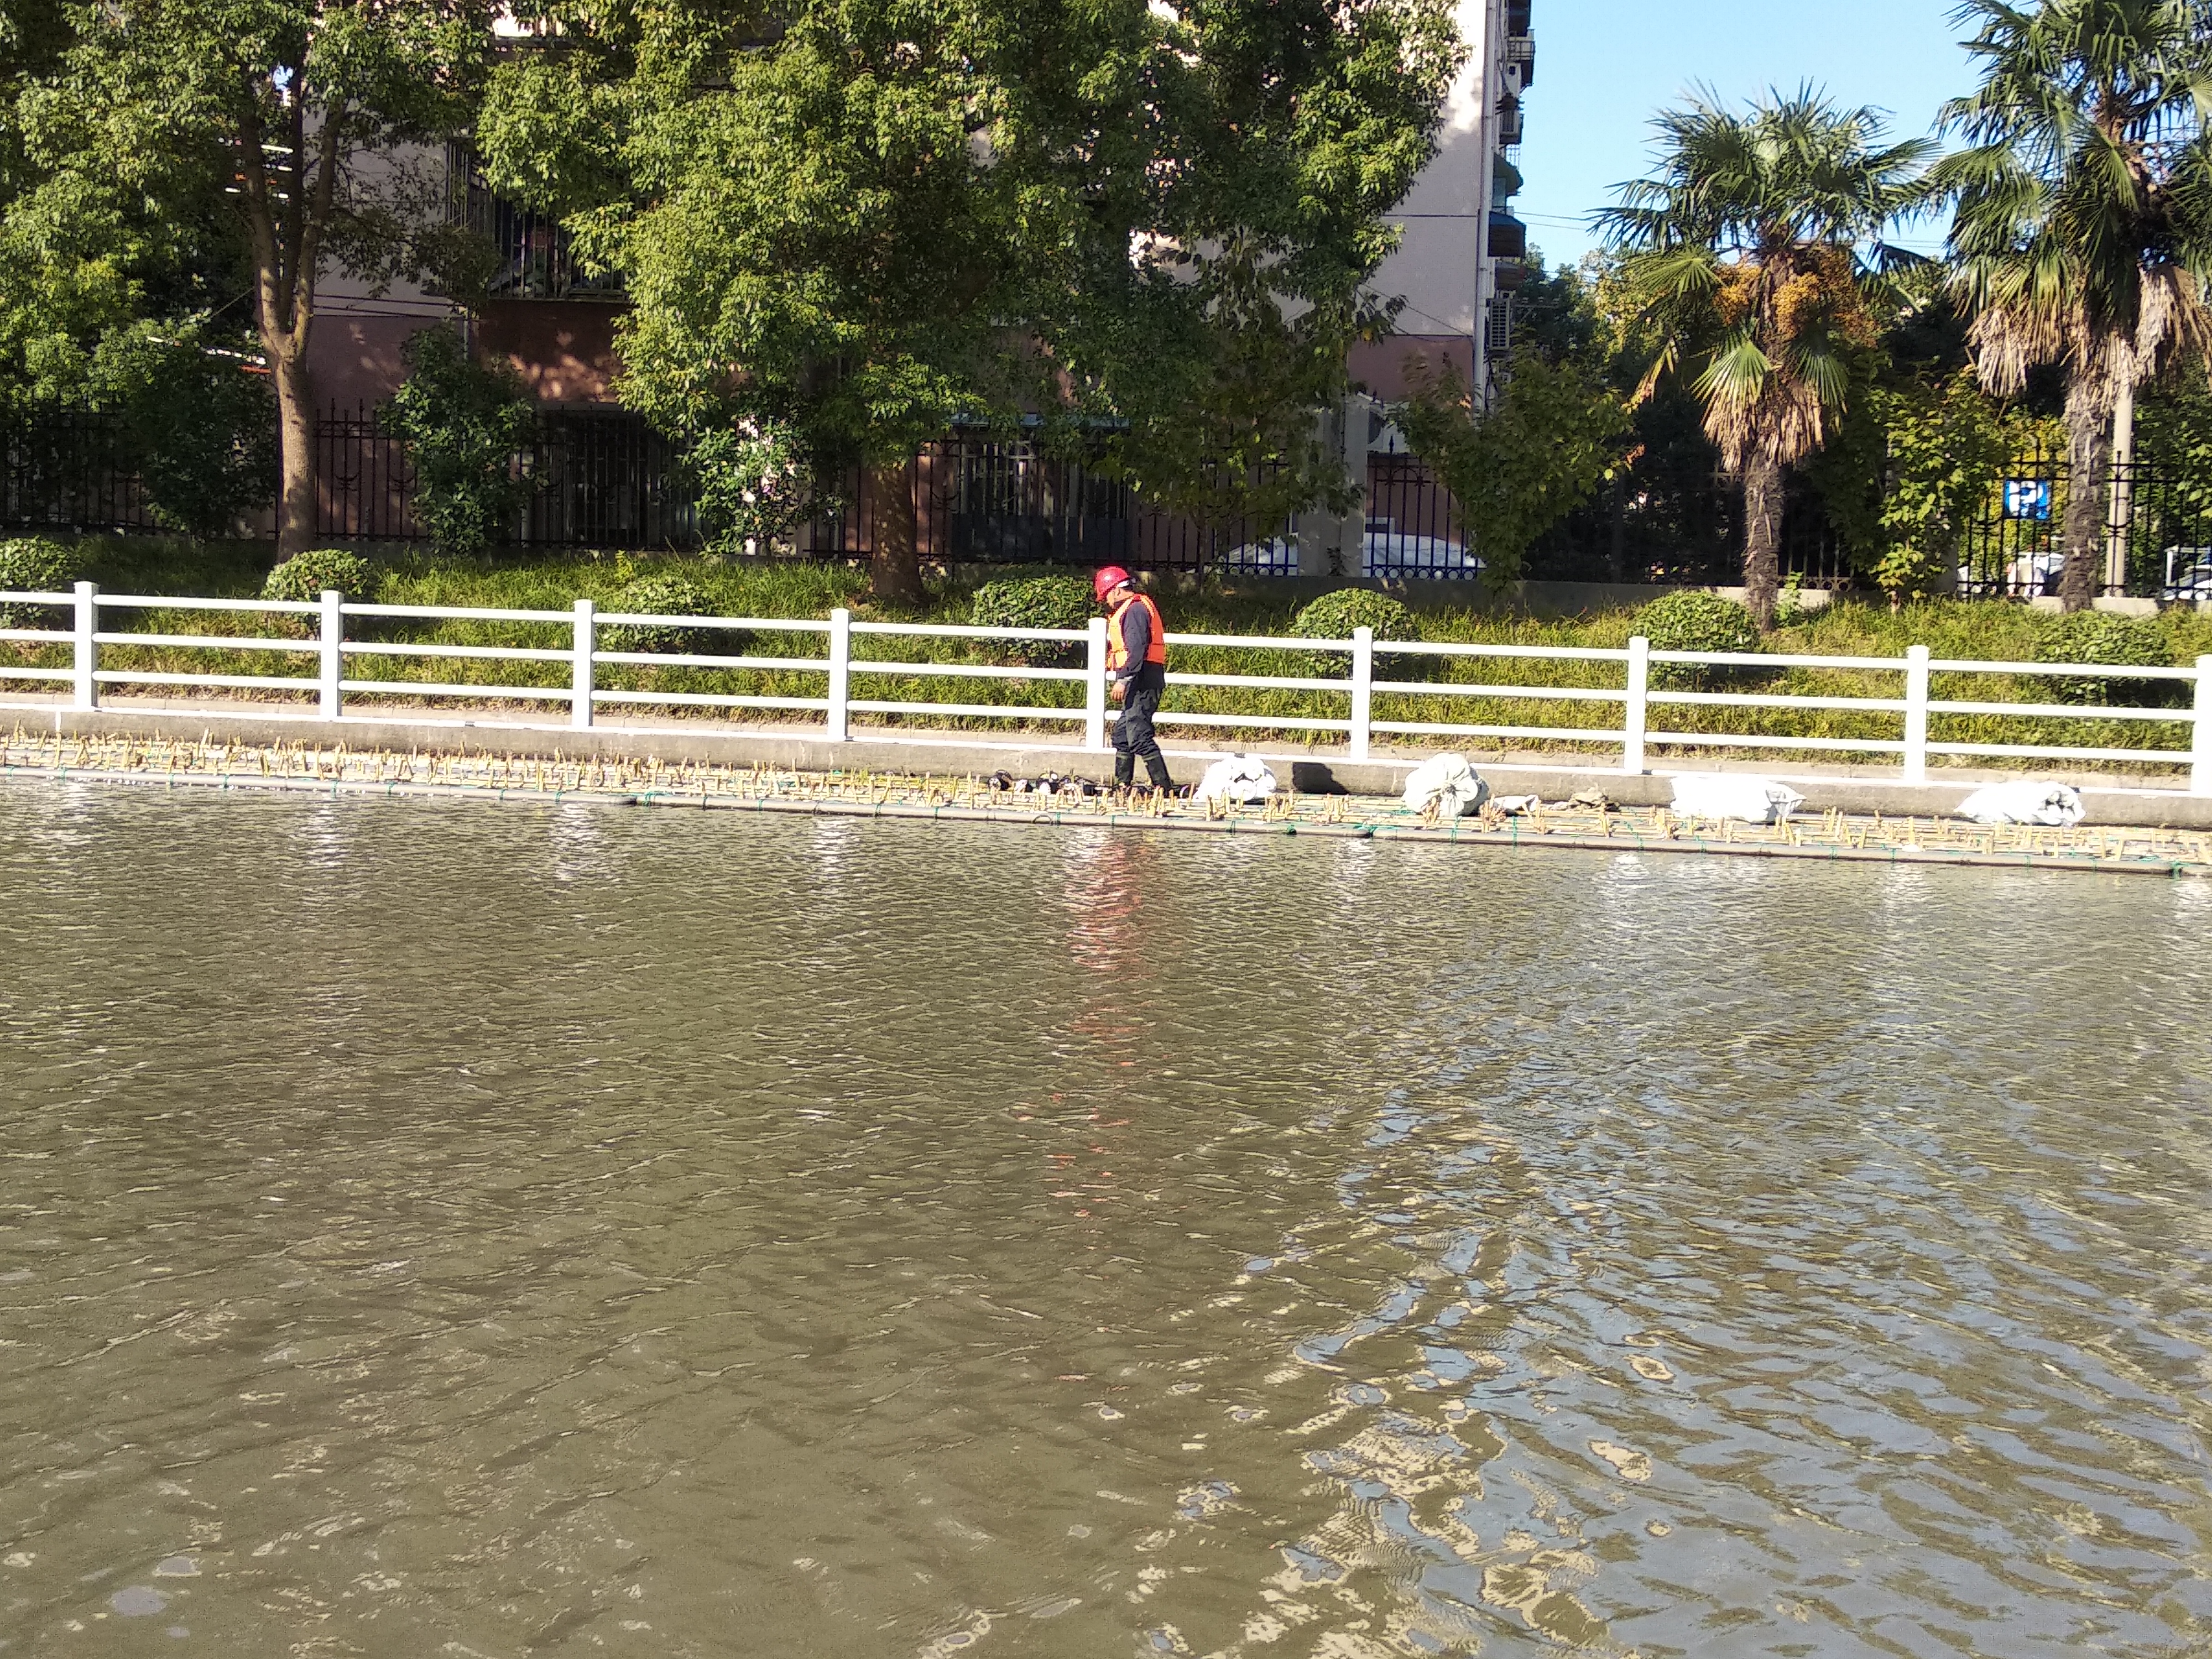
(2025, 801)
(1516, 806)
(1726, 795)
(1450, 782)
(1245, 778)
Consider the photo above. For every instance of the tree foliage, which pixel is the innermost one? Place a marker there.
(1911, 468)
(1550, 438)
(867, 219)
(272, 137)
(464, 422)
(1752, 252)
(2083, 227)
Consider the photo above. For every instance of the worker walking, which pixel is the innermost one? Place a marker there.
(1136, 674)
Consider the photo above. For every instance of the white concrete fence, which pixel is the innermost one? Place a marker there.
(1634, 736)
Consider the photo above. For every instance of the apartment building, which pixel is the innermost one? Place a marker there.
(1460, 256)
(1454, 271)
(1462, 252)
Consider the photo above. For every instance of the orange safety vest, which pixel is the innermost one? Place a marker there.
(1117, 652)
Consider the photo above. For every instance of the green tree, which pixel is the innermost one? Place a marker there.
(463, 421)
(867, 217)
(284, 128)
(1550, 437)
(2082, 230)
(1751, 253)
(1918, 459)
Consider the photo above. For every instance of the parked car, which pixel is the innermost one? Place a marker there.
(1278, 555)
(1384, 551)
(2034, 573)
(2188, 573)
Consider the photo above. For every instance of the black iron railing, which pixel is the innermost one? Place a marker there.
(605, 478)
(67, 470)
(991, 501)
(2155, 532)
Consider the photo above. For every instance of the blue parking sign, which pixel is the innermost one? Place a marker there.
(2028, 498)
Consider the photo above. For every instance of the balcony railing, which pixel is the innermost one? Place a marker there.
(536, 258)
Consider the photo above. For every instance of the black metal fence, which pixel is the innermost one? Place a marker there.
(2155, 532)
(1689, 532)
(72, 471)
(993, 500)
(604, 478)
(595, 477)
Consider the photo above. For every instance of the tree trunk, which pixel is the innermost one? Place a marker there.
(1762, 537)
(2088, 469)
(295, 437)
(894, 562)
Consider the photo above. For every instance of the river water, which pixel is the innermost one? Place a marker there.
(438, 1228)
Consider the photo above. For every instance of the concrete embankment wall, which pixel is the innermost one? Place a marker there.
(2109, 801)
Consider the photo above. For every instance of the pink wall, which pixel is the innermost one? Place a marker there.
(1380, 366)
(564, 350)
(356, 359)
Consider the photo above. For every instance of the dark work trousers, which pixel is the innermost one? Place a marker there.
(1132, 732)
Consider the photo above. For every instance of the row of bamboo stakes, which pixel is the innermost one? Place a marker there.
(210, 759)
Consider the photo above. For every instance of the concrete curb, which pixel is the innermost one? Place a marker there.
(953, 754)
(1510, 838)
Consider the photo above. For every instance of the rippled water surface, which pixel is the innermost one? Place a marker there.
(442, 1229)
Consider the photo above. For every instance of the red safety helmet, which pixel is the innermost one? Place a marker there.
(1107, 581)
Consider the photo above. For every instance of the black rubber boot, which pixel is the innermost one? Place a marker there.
(1125, 771)
(1156, 763)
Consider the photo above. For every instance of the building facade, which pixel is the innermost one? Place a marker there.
(1461, 252)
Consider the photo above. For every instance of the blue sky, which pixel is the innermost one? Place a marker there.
(1603, 67)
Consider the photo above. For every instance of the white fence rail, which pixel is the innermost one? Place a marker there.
(1630, 730)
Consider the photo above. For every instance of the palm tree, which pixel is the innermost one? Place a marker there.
(2082, 230)
(1752, 253)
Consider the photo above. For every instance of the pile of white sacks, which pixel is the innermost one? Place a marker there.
(1750, 799)
(1244, 779)
(1454, 789)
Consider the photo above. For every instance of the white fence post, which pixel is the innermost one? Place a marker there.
(333, 656)
(87, 663)
(1094, 690)
(1636, 710)
(579, 708)
(1363, 691)
(840, 674)
(1916, 714)
(2200, 765)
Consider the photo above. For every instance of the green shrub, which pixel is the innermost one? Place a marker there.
(754, 483)
(203, 434)
(2096, 636)
(1035, 602)
(35, 565)
(668, 596)
(1690, 621)
(465, 423)
(303, 578)
(1334, 616)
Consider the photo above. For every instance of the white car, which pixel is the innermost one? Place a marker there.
(2188, 574)
(2034, 574)
(1384, 551)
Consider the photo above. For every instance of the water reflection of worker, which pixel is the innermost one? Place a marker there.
(1136, 674)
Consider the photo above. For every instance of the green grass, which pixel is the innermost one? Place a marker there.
(1977, 630)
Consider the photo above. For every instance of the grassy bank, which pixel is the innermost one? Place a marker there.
(1980, 630)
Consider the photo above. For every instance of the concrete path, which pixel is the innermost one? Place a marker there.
(2111, 798)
